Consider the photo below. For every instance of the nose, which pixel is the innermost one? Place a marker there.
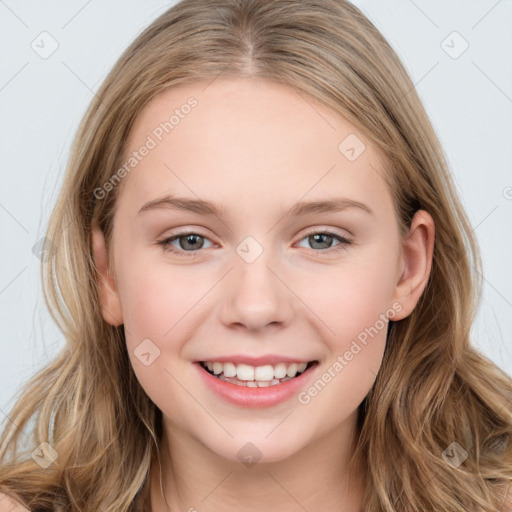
(256, 296)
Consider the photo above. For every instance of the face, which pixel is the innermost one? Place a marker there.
(293, 255)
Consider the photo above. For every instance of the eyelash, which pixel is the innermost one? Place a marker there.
(166, 243)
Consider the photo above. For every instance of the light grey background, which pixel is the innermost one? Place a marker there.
(469, 99)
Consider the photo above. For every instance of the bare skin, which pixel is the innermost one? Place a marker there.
(257, 148)
(11, 504)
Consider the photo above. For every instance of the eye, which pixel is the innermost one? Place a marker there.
(324, 239)
(189, 242)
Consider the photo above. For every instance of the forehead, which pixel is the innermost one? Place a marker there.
(248, 140)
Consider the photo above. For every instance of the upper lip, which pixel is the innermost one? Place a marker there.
(255, 361)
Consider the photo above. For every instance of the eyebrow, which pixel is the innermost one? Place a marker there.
(208, 208)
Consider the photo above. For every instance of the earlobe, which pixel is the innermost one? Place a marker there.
(416, 263)
(107, 289)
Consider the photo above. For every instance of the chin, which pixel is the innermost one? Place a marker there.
(258, 449)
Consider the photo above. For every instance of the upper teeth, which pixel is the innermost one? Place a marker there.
(260, 373)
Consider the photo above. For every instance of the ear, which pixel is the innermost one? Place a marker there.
(415, 263)
(107, 288)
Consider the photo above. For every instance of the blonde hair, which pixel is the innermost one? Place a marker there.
(433, 388)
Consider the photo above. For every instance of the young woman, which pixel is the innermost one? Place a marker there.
(266, 283)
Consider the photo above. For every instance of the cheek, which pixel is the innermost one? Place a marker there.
(352, 307)
(155, 298)
(353, 303)
(351, 298)
(155, 305)
(160, 308)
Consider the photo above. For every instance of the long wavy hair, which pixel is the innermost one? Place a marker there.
(433, 388)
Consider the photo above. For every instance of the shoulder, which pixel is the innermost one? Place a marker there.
(8, 504)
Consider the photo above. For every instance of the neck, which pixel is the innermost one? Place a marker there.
(319, 477)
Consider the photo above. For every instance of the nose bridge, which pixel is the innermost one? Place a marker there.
(256, 296)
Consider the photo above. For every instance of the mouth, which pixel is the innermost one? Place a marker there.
(256, 376)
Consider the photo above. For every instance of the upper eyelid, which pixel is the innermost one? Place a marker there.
(306, 233)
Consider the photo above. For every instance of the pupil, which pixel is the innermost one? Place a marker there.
(321, 235)
(190, 240)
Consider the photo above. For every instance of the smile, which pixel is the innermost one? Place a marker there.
(254, 376)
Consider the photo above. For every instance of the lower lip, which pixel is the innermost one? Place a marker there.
(243, 396)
